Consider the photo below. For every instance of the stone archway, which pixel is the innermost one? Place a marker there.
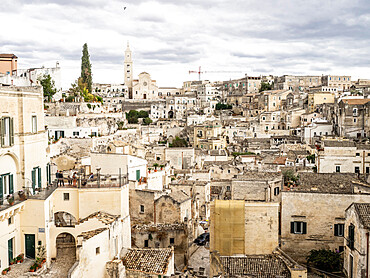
(66, 245)
(66, 255)
(64, 219)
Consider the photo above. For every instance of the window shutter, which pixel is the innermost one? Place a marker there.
(11, 185)
(336, 229)
(11, 129)
(2, 127)
(1, 190)
(39, 177)
(304, 228)
(292, 227)
(33, 179)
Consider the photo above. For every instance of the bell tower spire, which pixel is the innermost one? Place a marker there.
(128, 69)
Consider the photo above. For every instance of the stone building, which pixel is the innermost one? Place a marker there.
(343, 82)
(142, 208)
(163, 236)
(356, 240)
(352, 118)
(237, 225)
(144, 87)
(272, 100)
(257, 186)
(313, 213)
(296, 83)
(8, 64)
(173, 208)
(317, 98)
(209, 136)
(23, 159)
(343, 156)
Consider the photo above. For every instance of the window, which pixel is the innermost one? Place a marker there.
(10, 220)
(34, 124)
(354, 120)
(337, 169)
(146, 243)
(66, 196)
(7, 132)
(357, 154)
(36, 173)
(276, 191)
(6, 185)
(97, 250)
(357, 170)
(76, 133)
(367, 170)
(351, 237)
(141, 208)
(339, 230)
(172, 240)
(298, 227)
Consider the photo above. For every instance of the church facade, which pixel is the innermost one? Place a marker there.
(143, 88)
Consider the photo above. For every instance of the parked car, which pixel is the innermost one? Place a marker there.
(202, 239)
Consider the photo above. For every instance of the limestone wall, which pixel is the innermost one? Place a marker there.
(320, 211)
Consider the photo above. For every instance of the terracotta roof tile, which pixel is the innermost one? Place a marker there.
(152, 261)
(363, 211)
(103, 217)
(260, 266)
(92, 233)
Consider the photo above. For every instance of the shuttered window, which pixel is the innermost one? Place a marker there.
(351, 237)
(6, 185)
(338, 229)
(7, 131)
(298, 227)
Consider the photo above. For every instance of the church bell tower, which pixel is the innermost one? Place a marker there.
(128, 69)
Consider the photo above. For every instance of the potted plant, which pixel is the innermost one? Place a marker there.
(12, 261)
(149, 169)
(155, 166)
(22, 195)
(5, 271)
(162, 166)
(10, 199)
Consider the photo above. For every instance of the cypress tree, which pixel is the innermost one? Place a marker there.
(86, 75)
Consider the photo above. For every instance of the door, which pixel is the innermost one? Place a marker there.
(10, 250)
(350, 272)
(137, 175)
(30, 245)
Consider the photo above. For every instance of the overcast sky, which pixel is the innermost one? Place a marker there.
(170, 37)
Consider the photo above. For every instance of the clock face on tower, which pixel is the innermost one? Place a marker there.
(145, 83)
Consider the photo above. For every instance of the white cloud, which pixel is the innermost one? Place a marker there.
(169, 37)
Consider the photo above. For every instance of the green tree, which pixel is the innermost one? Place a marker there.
(86, 76)
(178, 142)
(48, 86)
(223, 106)
(325, 259)
(266, 86)
(147, 121)
(143, 114)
